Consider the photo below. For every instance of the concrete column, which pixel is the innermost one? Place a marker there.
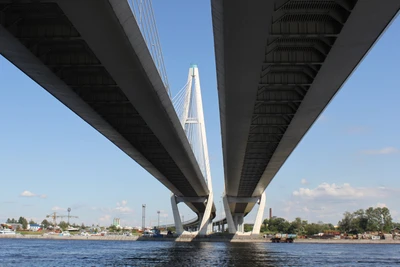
(204, 226)
(228, 215)
(260, 214)
(177, 218)
(200, 216)
(210, 227)
(239, 219)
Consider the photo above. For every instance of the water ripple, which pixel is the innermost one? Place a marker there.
(25, 252)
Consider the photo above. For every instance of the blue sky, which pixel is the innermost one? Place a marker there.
(50, 159)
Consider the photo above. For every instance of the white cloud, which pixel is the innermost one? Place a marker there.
(122, 207)
(304, 181)
(105, 218)
(27, 193)
(328, 201)
(327, 190)
(395, 215)
(305, 209)
(383, 151)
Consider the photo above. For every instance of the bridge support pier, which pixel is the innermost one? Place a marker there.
(177, 217)
(260, 214)
(228, 214)
(236, 221)
(206, 224)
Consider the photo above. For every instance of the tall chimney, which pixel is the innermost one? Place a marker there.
(270, 213)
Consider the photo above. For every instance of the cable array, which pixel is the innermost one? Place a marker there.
(143, 12)
(179, 102)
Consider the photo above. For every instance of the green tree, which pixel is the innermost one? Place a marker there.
(379, 219)
(11, 221)
(112, 228)
(372, 219)
(45, 223)
(63, 225)
(360, 221)
(264, 226)
(313, 228)
(345, 224)
(248, 227)
(31, 221)
(387, 220)
(24, 222)
(297, 226)
(278, 225)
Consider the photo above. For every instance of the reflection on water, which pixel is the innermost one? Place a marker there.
(25, 252)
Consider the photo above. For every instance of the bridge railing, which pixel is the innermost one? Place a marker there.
(144, 15)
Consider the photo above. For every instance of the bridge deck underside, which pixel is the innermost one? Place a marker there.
(301, 36)
(48, 34)
(279, 64)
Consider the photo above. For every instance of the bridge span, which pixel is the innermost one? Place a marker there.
(279, 63)
(92, 56)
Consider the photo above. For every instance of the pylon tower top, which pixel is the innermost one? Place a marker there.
(189, 107)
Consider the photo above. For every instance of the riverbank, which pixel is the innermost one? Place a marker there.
(229, 239)
(74, 237)
(347, 241)
(183, 238)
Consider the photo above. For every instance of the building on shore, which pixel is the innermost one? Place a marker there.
(33, 227)
(117, 222)
(13, 226)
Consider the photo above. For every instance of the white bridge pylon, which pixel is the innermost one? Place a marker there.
(189, 107)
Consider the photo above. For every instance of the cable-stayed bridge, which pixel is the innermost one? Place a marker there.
(102, 59)
(279, 63)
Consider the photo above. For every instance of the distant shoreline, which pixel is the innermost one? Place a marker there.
(347, 241)
(72, 237)
(202, 239)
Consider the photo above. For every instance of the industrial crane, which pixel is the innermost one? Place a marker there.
(54, 216)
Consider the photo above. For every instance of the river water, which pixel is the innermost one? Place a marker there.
(33, 252)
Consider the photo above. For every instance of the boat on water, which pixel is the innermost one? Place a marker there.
(71, 229)
(7, 232)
